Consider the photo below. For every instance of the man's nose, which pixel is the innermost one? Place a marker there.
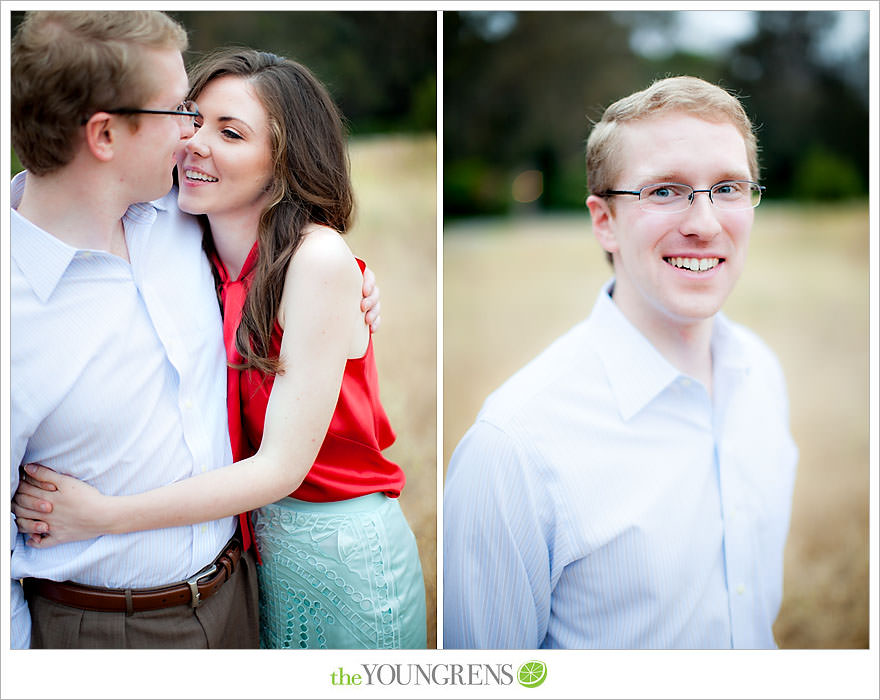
(701, 217)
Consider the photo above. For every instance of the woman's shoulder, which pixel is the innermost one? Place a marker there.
(322, 257)
(321, 245)
(322, 269)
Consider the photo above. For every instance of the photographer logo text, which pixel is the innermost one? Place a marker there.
(531, 674)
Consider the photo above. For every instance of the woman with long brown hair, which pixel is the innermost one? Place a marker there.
(268, 169)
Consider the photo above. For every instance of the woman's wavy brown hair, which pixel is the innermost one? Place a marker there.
(310, 180)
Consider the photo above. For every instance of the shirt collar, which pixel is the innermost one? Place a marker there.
(728, 351)
(43, 258)
(165, 203)
(636, 371)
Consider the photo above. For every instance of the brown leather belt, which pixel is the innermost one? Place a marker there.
(194, 591)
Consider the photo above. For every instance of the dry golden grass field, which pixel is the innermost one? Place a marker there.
(395, 232)
(510, 287)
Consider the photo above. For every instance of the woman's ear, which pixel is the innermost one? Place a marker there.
(100, 136)
(604, 228)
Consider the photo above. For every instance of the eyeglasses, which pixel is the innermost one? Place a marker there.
(673, 197)
(187, 108)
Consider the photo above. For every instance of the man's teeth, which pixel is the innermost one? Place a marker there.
(694, 264)
(193, 175)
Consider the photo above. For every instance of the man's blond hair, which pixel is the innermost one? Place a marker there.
(68, 65)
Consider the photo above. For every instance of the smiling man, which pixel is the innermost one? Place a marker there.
(631, 486)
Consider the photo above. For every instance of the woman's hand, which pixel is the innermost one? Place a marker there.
(53, 508)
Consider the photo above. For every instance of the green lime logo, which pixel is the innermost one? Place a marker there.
(532, 673)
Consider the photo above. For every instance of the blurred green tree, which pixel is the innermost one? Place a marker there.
(517, 97)
(380, 67)
(821, 174)
(802, 96)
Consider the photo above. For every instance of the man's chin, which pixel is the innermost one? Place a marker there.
(696, 310)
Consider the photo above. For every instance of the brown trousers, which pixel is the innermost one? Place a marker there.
(227, 620)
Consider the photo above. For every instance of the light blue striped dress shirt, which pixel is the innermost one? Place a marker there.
(118, 377)
(603, 500)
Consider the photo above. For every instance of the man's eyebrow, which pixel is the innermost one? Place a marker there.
(654, 178)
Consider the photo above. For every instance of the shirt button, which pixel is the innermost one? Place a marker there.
(203, 528)
(187, 404)
(685, 382)
(740, 589)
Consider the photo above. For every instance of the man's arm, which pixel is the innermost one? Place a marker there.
(496, 563)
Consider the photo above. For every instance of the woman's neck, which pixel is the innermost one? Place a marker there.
(234, 237)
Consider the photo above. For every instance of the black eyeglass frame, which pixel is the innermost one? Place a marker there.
(173, 113)
(694, 192)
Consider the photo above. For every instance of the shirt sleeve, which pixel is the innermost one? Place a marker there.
(20, 629)
(20, 429)
(20, 617)
(496, 558)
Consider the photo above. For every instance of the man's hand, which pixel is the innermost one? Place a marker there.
(370, 303)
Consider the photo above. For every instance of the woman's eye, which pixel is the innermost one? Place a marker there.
(230, 134)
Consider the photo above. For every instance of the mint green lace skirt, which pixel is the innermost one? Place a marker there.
(339, 575)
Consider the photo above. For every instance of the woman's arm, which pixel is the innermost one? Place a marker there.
(321, 315)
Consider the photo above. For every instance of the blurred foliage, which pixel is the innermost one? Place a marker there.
(380, 67)
(521, 90)
(800, 96)
(822, 175)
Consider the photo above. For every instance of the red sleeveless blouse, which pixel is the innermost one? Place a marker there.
(350, 462)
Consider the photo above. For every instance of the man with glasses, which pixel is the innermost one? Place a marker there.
(118, 372)
(631, 486)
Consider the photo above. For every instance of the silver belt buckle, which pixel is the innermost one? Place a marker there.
(193, 582)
